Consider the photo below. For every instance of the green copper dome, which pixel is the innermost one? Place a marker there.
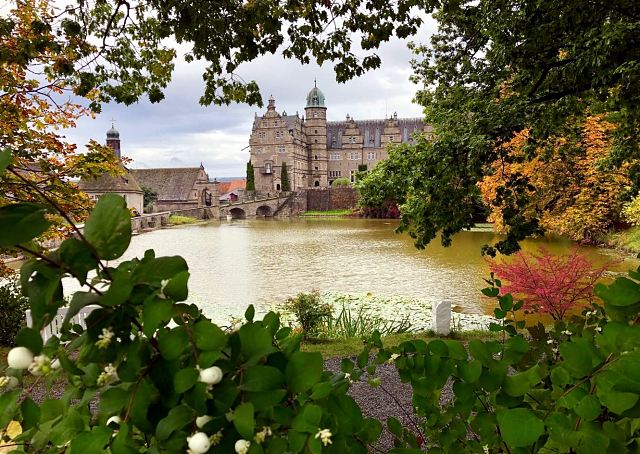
(315, 98)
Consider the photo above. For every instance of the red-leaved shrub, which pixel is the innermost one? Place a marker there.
(550, 283)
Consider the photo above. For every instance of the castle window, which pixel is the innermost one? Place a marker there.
(315, 141)
(316, 184)
(334, 156)
(353, 176)
(391, 139)
(371, 156)
(259, 150)
(354, 156)
(315, 115)
(316, 167)
(335, 173)
(267, 167)
(316, 157)
(275, 123)
(282, 150)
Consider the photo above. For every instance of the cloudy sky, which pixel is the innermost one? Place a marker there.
(178, 132)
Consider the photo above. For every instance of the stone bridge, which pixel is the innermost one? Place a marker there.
(258, 207)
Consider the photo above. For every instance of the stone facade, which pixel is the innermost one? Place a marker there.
(318, 151)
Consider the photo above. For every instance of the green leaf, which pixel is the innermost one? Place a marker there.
(577, 359)
(118, 292)
(321, 390)
(479, 351)
(77, 257)
(456, 349)
(91, 441)
(243, 420)
(108, 229)
(185, 379)
(30, 338)
(519, 384)
(30, 413)
(78, 302)
(491, 292)
(520, 427)
(8, 402)
(69, 366)
(173, 343)
(303, 370)
(588, 408)
(154, 311)
(623, 292)
(177, 288)
(209, 336)
(5, 159)
(470, 371)
(261, 378)
(250, 313)
(159, 269)
(177, 418)
(394, 427)
(21, 222)
(113, 400)
(374, 382)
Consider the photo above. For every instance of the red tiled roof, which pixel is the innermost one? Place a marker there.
(228, 186)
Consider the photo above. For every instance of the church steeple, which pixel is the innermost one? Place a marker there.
(113, 140)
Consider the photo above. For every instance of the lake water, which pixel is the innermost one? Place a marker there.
(236, 263)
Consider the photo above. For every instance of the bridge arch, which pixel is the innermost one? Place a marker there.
(237, 213)
(264, 211)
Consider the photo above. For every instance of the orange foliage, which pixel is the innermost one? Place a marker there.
(569, 194)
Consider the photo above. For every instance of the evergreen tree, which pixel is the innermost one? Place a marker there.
(284, 178)
(251, 178)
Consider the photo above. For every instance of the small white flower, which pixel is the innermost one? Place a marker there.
(394, 356)
(264, 433)
(589, 314)
(567, 332)
(8, 382)
(485, 448)
(550, 341)
(40, 365)
(109, 375)
(105, 338)
(554, 350)
(598, 328)
(163, 284)
(19, 358)
(242, 446)
(199, 443)
(325, 436)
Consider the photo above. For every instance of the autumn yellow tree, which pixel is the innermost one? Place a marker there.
(36, 108)
(567, 189)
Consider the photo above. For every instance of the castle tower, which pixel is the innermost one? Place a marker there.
(316, 132)
(113, 141)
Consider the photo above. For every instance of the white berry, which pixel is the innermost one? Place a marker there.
(19, 358)
(202, 420)
(55, 364)
(199, 443)
(115, 420)
(211, 375)
(242, 446)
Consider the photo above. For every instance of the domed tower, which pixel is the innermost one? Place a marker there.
(316, 131)
(113, 140)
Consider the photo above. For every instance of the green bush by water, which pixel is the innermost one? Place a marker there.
(348, 325)
(180, 220)
(13, 307)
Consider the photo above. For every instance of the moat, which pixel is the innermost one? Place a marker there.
(236, 263)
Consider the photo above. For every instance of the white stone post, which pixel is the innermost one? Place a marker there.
(441, 317)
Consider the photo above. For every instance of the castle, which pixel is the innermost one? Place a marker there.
(317, 151)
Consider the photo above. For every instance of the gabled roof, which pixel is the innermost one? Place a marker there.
(107, 183)
(170, 184)
(228, 186)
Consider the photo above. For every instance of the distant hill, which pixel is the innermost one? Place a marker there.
(223, 179)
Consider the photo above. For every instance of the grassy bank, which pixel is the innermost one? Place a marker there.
(181, 220)
(327, 213)
(351, 347)
(626, 240)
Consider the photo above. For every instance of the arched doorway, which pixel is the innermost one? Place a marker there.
(278, 187)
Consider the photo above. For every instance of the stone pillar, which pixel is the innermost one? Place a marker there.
(441, 317)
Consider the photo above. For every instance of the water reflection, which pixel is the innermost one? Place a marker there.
(240, 262)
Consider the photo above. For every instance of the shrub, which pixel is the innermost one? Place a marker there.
(340, 182)
(570, 388)
(388, 210)
(548, 283)
(180, 220)
(309, 311)
(166, 376)
(631, 211)
(348, 325)
(284, 178)
(13, 306)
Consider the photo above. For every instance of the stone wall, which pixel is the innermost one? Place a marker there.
(331, 199)
(198, 213)
(295, 205)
